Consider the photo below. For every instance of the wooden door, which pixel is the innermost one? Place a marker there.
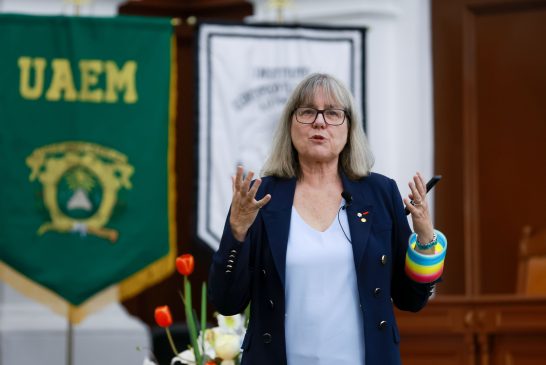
(490, 136)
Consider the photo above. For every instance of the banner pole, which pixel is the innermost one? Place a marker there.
(69, 340)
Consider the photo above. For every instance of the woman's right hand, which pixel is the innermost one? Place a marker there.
(244, 206)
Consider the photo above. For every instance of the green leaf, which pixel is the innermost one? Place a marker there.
(203, 313)
(247, 315)
(196, 320)
(190, 320)
(203, 307)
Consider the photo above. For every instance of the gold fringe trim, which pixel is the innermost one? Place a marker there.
(47, 297)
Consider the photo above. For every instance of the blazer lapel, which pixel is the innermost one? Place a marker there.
(360, 215)
(276, 215)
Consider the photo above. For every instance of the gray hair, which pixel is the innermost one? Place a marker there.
(355, 160)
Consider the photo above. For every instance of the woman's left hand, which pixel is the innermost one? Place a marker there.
(418, 207)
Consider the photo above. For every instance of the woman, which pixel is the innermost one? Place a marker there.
(319, 246)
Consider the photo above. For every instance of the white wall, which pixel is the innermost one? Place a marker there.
(31, 334)
(56, 7)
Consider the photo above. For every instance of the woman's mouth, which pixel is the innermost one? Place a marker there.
(317, 137)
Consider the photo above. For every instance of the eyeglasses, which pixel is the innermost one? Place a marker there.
(309, 115)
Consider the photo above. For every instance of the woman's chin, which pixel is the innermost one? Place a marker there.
(319, 158)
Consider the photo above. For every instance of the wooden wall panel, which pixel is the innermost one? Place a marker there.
(519, 350)
(487, 330)
(489, 69)
(510, 71)
(490, 126)
(442, 350)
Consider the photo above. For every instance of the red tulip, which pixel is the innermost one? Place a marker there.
(184, 264)
(163, 316)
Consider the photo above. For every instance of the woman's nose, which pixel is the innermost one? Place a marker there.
(319, 120)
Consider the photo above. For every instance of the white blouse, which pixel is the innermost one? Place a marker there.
(323, 320)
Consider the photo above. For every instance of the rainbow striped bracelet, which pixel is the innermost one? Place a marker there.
(426, 268)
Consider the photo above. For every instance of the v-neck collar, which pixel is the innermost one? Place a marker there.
(277, 215)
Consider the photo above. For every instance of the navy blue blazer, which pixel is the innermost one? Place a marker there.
(254, 271)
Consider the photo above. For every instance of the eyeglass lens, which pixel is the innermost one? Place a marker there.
(309, 115)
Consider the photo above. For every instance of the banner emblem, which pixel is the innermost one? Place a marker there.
(80, 182)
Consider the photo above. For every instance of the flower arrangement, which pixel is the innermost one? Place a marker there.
(209, 346)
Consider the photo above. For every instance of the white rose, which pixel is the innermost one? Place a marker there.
(227, 346)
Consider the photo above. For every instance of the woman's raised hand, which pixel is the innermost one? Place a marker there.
(244, 206)
(418, 207)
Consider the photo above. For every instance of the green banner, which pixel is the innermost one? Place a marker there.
(86, 157)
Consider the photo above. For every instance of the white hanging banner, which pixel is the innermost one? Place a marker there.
(245, 75)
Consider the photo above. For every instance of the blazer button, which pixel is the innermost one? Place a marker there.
(384, 259)
(382, 325)
(264, 273)
(267, 337)
(376, 292)
(271, 304)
